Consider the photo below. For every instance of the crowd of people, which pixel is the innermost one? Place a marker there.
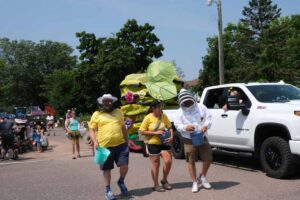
(107, 130)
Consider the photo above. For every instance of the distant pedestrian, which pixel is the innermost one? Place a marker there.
(72, 125)
(6, 132)
(37, 135)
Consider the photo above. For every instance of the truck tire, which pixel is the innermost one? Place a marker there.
(177, 146)
(276, 158)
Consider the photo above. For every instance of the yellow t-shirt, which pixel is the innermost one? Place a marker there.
(109, 126)
(149, 124)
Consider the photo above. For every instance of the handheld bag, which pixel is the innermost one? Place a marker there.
(164, 137)
(197, 139)
(101, 155)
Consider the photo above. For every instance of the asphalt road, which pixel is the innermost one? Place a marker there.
(53, 175)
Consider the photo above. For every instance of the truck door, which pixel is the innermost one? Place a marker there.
(230, 128)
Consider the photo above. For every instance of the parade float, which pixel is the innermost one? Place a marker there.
(138, 91)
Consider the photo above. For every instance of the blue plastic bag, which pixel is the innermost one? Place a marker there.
(164, 137)
(101, 155)
(197, 139)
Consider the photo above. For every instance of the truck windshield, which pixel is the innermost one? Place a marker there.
(275, 93)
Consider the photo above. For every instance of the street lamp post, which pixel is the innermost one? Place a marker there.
(221, 50)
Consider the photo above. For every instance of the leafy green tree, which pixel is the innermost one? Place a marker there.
(106, 61)
(258, 16)
(25, 66)
(60, 88)
(268, 52)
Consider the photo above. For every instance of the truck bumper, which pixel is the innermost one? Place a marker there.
(295, 147)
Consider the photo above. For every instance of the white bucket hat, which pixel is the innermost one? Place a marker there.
(106, 96)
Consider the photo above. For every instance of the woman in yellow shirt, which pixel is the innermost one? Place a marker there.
(154, 126)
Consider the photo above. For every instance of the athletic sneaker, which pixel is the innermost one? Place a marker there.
(109, 195)
(123, 188)
(195, 187)
(202, 180)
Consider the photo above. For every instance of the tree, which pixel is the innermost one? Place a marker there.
(60, 88)
(106, 61)
(26, 65)
(271, 55)
(258, 16)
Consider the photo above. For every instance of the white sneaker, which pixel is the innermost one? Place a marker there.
(202, 180)
(195, 187)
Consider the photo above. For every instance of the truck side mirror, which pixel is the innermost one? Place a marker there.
(233, 103)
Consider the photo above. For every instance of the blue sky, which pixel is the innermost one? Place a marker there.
(181, 25)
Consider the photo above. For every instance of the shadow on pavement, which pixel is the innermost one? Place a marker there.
(87, 156)
(237, 161)
(141, 192)
(182, 185)
(223, 185)
(124, 198)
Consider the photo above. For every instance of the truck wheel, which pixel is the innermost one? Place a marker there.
(177, 146)
(276, 158)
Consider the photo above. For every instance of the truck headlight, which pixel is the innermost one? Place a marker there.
(297, 113)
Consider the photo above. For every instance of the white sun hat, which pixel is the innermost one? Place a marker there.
(106, 96)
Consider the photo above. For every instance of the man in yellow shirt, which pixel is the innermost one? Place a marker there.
(107, 129)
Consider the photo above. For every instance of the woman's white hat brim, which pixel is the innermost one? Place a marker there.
(106, 96)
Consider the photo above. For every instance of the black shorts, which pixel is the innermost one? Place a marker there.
(118, 155)
(154, 149)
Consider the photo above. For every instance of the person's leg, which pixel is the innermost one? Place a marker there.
(192, 171)
(123, 171)
(73, 147)
(122, 161)
(106, 168)
(107, 177)
(155, 162)
(206, 155)
(4, 152)
(77, 147)
(190, 156)
(206, 165)
(167, 158)
(39, 146)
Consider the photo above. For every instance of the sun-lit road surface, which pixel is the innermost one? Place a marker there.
(53, 175)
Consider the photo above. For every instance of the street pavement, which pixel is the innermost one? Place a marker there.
(53, 175)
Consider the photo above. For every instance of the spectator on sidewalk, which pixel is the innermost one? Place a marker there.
(72, 125)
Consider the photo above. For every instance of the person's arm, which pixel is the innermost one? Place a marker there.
(208, 119)
(93, 129)
(67, 125)
(125, 133)
(93, 135)
(181, 127)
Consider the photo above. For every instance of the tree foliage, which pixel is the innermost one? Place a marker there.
(106, 61)
(59, 88)
(25, 66)
(261, 47)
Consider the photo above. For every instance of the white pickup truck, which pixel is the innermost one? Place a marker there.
(265, 122)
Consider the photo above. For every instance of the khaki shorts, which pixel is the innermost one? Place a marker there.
(192, 153)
